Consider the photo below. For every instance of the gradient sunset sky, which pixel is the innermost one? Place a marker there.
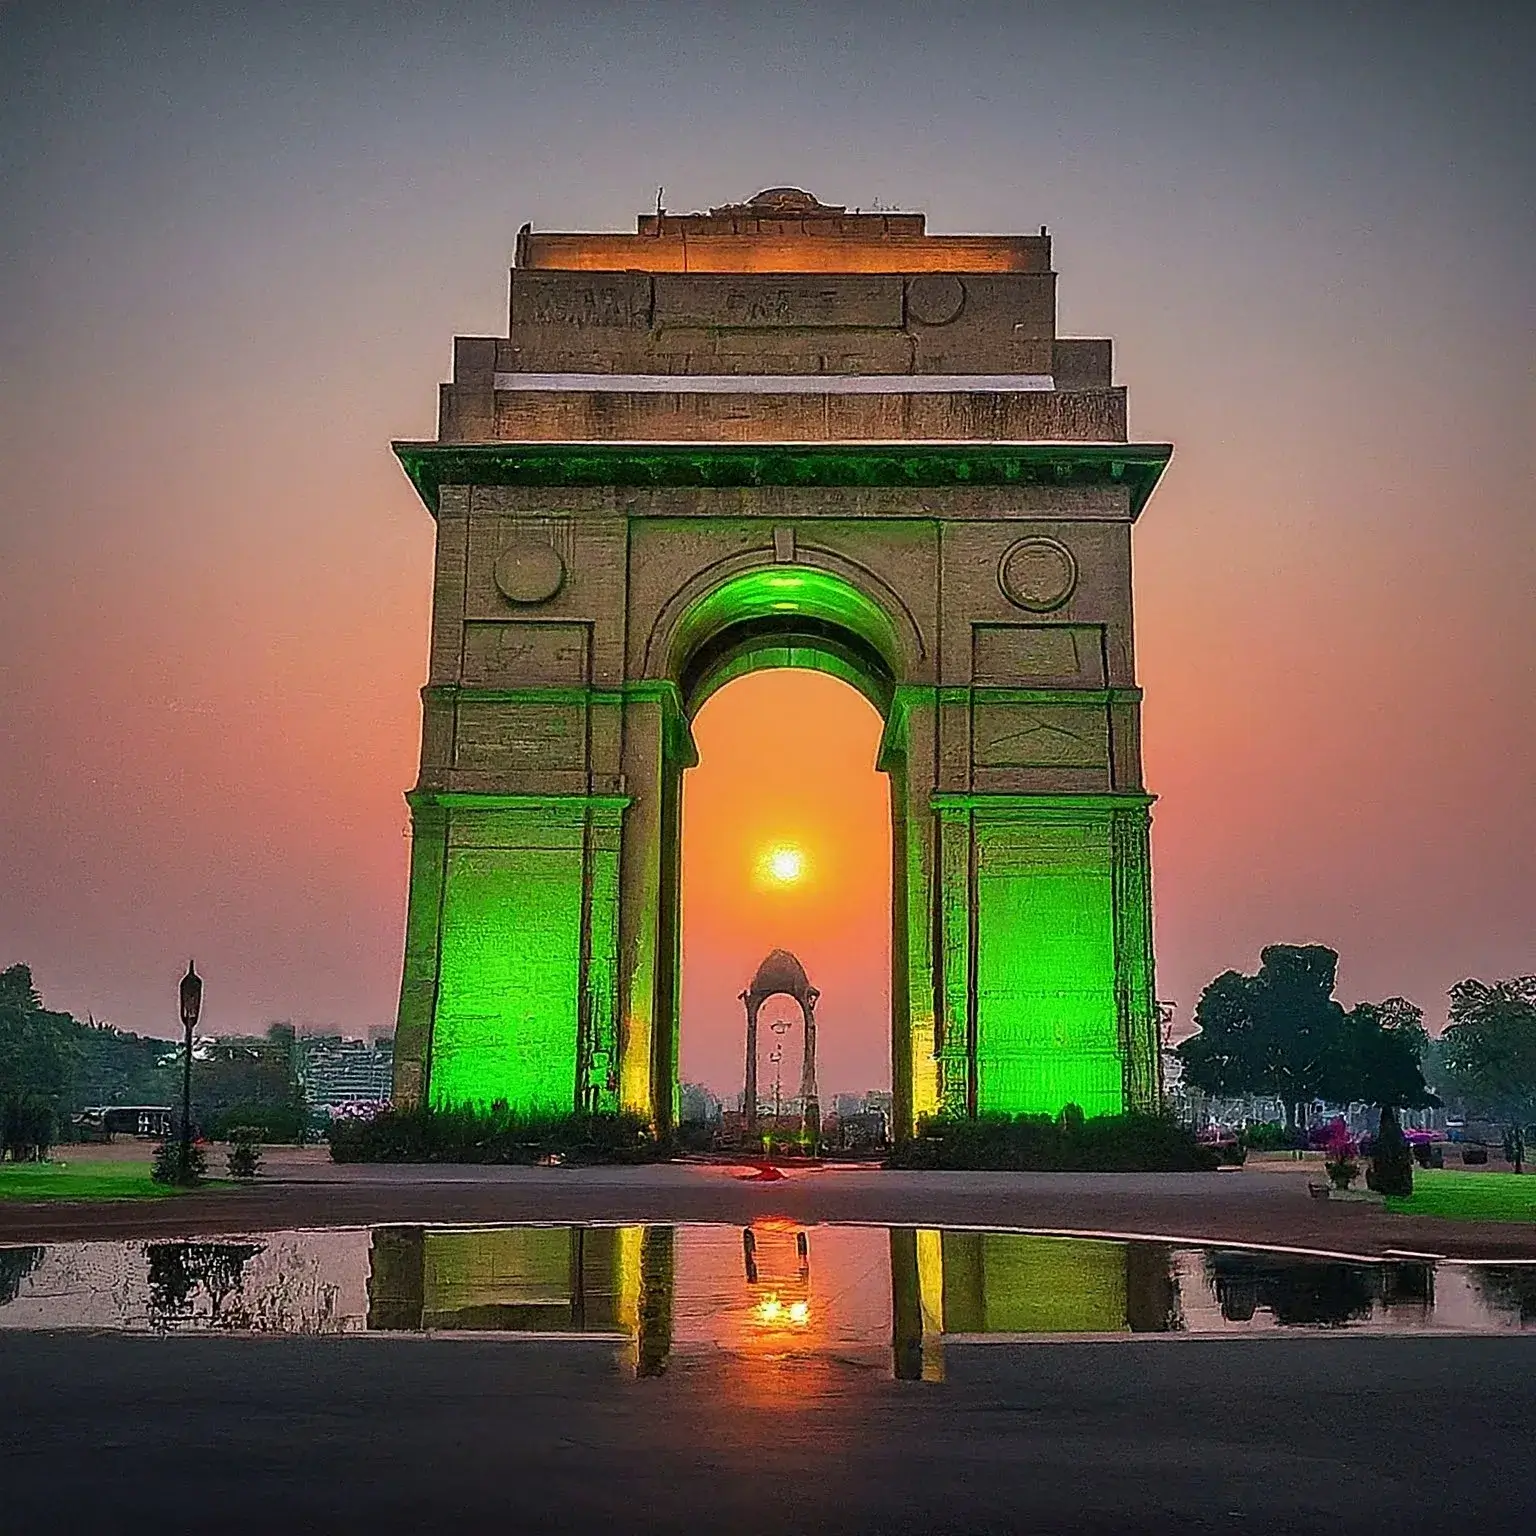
(235, 244)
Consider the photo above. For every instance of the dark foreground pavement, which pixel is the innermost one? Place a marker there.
(113, 1434)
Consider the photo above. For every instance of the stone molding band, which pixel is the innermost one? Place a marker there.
(775, 383)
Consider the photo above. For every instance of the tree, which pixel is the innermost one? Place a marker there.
(37, 1067)
(1277, 1033)
(250, 1077)
(1489, 1047)
(1379, 1063)
(116, 1067)
(1380, 1053)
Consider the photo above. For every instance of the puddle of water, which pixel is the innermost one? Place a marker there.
(773, 1291)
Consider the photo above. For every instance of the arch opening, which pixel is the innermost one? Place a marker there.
(784, 844)
(786, 616)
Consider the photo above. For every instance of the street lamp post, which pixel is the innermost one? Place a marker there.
(191, 1006)
(780, 1027)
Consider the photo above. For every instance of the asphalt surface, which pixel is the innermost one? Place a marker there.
(109, 1434)
(1264, 1205)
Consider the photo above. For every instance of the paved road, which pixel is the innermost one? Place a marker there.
(113, 1434)
(1257, 1205)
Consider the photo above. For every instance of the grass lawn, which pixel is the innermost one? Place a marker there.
(84, 1180)
(1469, 1196)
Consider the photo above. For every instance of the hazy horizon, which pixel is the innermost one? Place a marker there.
(235, 249)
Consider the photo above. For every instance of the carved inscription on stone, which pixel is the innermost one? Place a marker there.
(581, 299)
(510, 655)
(1040, 655)
(1045, 737)
(775, 300)
(508, 737)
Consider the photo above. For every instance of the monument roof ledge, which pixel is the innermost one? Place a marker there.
(907, 462)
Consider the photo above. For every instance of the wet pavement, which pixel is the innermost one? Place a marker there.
(773, 1375)
(1265, 1205)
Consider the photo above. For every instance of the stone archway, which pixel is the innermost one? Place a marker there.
(687, 460)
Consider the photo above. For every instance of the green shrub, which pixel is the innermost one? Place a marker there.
(471, 1134)
(1267, 1136)
(1132, 1143)
(167, 1168)
(244, 1156)
(28, 1124)
(694, 1136)
(1342, 1171)
(266, 1122)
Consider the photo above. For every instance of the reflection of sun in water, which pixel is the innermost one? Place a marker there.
(786, 865)
(771, 1310)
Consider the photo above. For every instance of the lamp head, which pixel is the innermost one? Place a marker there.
(191, 997)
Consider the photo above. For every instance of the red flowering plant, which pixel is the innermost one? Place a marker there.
(1341, 1166)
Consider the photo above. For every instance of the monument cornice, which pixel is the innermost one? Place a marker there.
(809, 465)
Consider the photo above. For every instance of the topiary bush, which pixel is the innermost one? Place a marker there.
(1132, 1143)
(473, 1134)
(1391, 1167)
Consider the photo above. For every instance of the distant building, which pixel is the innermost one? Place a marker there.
(858, 1121)
(868, 1130)
(697, 1103)
(334, 1072)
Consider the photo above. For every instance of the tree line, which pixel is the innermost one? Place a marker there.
(1281, 1034)
(53, 1066)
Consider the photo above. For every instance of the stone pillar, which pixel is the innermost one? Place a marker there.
(418, 980)
(509, 988)
(907, 756)
(1046, 971)
(810, 1102)
(749, 1096)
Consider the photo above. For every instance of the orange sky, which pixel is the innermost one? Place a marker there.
(787, 759)
(235, 245)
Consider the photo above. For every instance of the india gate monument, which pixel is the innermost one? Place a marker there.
(780, 434)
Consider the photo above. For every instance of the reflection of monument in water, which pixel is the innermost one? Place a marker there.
(989, 1283)
(753, 1295)
(749, 1292)
(614, 1281)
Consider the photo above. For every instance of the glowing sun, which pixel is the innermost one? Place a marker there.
(786, 865)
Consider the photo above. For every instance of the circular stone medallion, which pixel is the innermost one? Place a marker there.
(935, 298)
(529, 571)
(1037, 573)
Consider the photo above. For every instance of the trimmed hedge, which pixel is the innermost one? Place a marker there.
(468, 1134)
(261, 1122)
(1068, 1144)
